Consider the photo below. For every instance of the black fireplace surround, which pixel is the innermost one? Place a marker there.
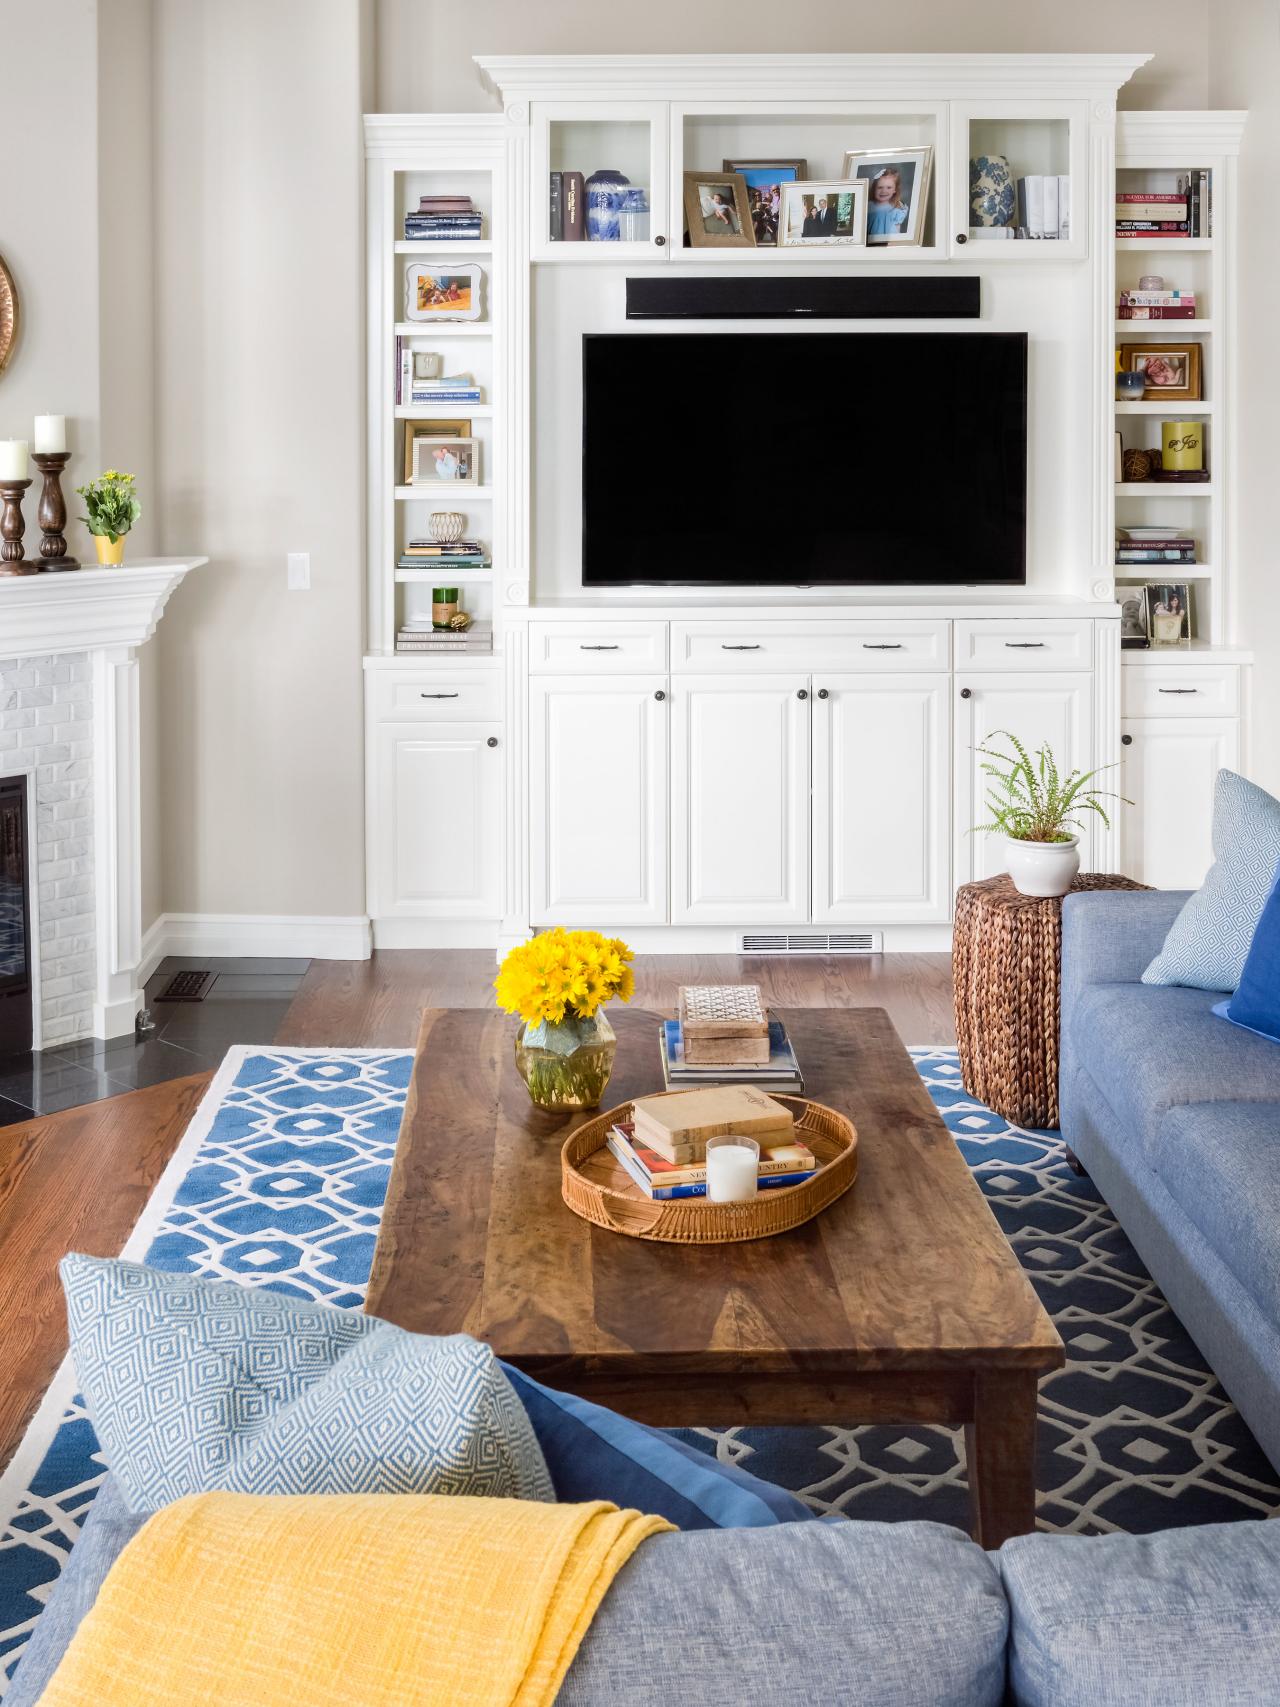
(16, 865)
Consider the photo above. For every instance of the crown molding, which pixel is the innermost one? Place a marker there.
(1146, 133)
(394, 133)
(86, 610)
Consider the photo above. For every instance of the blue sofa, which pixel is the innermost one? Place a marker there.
(1175, 1114)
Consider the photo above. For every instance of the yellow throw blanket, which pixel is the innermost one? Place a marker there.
(385, 1600)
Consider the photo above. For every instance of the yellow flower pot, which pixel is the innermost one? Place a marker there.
(110, 551)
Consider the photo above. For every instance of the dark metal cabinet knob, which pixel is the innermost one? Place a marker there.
(492, 741)
(660, 241)
(1126, 740)
(803, 693)
(823, 694)
(962, 236)
(966, 693)
(659, 694)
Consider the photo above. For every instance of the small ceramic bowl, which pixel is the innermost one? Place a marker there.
(1130, 387)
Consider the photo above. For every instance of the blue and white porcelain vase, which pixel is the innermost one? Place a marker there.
(992, 194)
(606, 192)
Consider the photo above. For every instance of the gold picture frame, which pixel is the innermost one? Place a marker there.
(717, 220)
(8, 314)
(1182, 357)
(432, 429)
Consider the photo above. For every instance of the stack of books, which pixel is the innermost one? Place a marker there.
(663, 1147)
(416, 634)
(449, 388)
(781, 1072)
(1156, 214)
(567, 208)
(1157, 305)
(1044, 206)
(1153, 545)
(724, 1036)
(443, 216)
(431, 554)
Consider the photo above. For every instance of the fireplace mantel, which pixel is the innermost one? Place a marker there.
(79, 610)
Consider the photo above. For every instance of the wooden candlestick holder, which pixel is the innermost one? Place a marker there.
(12, 528)
(52, 514)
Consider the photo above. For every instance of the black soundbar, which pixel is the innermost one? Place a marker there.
(947, 298)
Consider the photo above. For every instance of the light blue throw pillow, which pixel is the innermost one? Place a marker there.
(1208, 941)
(194, 1385)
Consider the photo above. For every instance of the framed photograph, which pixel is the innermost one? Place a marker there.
(415, 430)
(438, 459)
(1169, 613)
(897, 190)
(1133, 618)
(437, 293)
(819, 213)
(717, 211)
(764, 180)
(1171, 371)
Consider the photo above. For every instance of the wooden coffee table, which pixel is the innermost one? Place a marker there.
(901, 1303)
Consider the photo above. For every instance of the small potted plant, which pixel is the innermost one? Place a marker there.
(558, 983)
(1037, 810)
(113, 508)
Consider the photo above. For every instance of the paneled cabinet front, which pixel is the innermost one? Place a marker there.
(438, 811)
(1171, 767)
(740, 799)
(598, 799)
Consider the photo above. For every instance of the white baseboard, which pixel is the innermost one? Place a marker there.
(435, 933)
(644, 939)
(303, 936)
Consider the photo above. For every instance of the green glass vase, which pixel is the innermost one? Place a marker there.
(566, 1066)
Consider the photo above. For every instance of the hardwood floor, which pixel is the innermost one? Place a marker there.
(78, 1180)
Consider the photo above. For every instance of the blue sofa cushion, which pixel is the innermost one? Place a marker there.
(595, 1454)
(1220, 1162)
(1150, 1050)
(1187, 1618)
(1208, 942)
(1256, 1003)
(194, 1385)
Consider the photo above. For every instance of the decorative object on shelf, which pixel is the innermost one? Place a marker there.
(1181, 447)
(1134, 635)
(1119, 467)
(432, 429)
(459, 622)
(113, 508)
(723, 1025)
(427, 364)
(433, 293)
(718, 211)
(764, 180)
(558, 983)
(1139, 465)
(15, 477)
(449, 219)
(8, 314)
(444, 606)
(1130, 387)
(1169, 613)
(1032, 804)
(1169, 371)
(1151, 281)
(52, 512)
(1157, 304)
(822, 213)
(445, 526)
(437, 458)
(1044, 206)
(898, 191)
(633, 216)
(733, 1168)
(992, 196)
(606, 191)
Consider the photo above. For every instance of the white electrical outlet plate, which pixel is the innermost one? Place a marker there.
(299, 564)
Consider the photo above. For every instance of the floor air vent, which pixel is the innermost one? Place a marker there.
(813, 942)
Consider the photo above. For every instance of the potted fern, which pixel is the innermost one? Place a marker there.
(1038, 811)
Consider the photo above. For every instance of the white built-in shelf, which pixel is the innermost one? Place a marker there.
(448, 407)
(444, 246)
(1181, 410)
(1166, 245)
(1165, 329)
(1155, 572)
(457, 492)
(1166, 489)
(1199, 652)
(442, 329)
(446, 576)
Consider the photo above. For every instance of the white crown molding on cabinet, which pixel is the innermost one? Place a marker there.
(85, 610)
(1170, 133)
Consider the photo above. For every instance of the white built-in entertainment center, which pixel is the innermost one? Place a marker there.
(705, 769)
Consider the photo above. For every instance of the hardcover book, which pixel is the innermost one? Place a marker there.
(687, 1117)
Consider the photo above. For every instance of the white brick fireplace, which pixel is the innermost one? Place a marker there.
(69, 730)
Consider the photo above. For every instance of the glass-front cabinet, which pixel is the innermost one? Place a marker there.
(1020, 180)
(600, 180)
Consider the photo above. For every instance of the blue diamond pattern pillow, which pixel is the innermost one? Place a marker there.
(194, 1386)
(1208, 941)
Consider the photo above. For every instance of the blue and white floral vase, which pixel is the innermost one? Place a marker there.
(992, 194)
(606, 192)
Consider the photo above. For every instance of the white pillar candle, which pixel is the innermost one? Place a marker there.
(733, 1166)
(13, 460)
(50, 434)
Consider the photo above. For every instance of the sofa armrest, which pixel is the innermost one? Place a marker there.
(1111, 936)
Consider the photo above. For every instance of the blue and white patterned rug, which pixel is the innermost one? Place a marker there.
(280, 1180)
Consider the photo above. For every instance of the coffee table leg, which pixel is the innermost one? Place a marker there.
(1000, 1446)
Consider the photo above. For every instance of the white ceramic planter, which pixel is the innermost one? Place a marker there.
(1043, 868)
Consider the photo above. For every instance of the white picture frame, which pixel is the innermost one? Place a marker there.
(914, 166)
(445, 461)
(442, 293)
(823, 213)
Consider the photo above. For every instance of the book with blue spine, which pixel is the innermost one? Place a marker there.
(782, 1073)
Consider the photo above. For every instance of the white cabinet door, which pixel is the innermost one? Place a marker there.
(1037, 138)
(598, 799)
(1054, 709)
(881, 799)
(436, 841)
(585, 136)
(1170, 767)
(740, 799)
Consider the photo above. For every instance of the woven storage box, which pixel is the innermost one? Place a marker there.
(1006, 956)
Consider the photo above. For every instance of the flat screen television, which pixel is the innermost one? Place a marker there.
(804, 459)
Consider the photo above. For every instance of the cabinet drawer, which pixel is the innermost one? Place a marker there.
(597, 646)
(1012, 643)
(448, 697)
(1180, 690)
(849, 644)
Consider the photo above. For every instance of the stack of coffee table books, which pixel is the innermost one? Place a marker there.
(724, 1036)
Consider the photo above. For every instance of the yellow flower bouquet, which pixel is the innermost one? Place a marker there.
(558, 984)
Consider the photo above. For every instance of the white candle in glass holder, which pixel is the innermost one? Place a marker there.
(733, 1168)
(50, 434)
(13, 460)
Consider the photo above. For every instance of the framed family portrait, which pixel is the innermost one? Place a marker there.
(437, 459)
(764, 180)
(1171, 371)
(717, 211)
(817, 213)
(1169, 613)
(897, 182)
(432, 293)
(415, 430)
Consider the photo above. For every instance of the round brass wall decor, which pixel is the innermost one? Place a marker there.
(8, 314)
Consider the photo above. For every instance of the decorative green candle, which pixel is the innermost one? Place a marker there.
(444, 606)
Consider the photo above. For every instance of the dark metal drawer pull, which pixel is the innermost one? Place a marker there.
(753, 647)
(882, 646)
(583, 648)
(1025, 645)
(438, 696)
(1177, 690)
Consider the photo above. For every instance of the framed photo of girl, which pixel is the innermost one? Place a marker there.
(897, 182)
(1169, 613)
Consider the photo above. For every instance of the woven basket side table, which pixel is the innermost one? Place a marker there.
(1006, 970)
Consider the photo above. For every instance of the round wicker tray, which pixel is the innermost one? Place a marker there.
(599, 1189)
